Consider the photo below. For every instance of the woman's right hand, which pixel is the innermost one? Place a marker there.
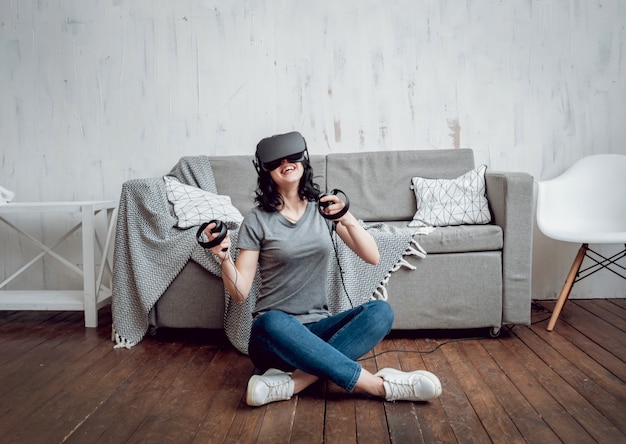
(220, 250)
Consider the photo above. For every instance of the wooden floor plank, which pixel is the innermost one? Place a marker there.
(310, 416)
(61, 382)
(431, 416)
(340, 423)
(602, 353)
(25, 338)
(35, 363)
(246, 421)
(612, 315)
(227, 399)
(609, 307)
(526, 419)
(371, 421)
(370, 412)
(278, 422)
(591, 379)
(597, 329)
(459, 412)
(617, 302)
(183, 405)
(62, 414)
(567, 343)
(511, 356)
(402, 421)
(123, 413)
(45, 373)
(594, 423)
(490, 412)
(20, 331)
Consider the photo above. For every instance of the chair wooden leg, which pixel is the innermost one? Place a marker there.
(567, 286)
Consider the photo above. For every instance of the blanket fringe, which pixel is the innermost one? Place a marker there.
(381, 292)
(121, 342)
(417, 251)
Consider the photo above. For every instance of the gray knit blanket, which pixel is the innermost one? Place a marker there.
(150, 251)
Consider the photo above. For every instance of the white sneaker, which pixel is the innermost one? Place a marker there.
(273, 385)
(419, 385)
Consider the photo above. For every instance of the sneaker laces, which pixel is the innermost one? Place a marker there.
(402, 389)
(279, 388)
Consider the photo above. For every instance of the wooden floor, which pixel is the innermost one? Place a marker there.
(60, 382)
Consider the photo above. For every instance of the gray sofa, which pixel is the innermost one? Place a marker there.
(473, 276)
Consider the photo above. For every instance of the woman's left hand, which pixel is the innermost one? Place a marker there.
(335, 205)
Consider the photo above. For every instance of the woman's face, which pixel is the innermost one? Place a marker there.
(287, 173)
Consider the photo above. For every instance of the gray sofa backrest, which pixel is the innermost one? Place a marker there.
(378, 183)
(235, 177)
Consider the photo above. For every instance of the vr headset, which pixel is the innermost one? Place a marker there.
(271, 151)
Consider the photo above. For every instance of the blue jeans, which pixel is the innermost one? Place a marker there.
(327, 348)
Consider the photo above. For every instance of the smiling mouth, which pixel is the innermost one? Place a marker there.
(289, 169)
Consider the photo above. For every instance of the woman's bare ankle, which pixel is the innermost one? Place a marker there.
(302, 380)
(370, 384)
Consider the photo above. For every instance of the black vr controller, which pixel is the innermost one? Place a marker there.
(323, 205)
(220, 227)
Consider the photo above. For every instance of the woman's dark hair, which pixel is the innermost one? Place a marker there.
(269, 199)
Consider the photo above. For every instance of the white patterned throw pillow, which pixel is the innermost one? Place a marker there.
(194, 206)
(443, 202)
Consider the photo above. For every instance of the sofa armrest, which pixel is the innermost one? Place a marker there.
(510, 196)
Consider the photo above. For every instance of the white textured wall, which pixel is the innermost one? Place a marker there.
(98, 92)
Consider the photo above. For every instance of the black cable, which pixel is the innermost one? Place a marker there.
(541, 320)
(421, 352)
(230, 259)
(343, 283)
(542, 310)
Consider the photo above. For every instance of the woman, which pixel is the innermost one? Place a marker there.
(294, 339)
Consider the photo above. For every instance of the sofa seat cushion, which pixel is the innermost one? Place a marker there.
(456, 290)
(459, 239)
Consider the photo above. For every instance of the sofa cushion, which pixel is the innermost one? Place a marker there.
(378, 183)
(459, 238)
(462, 238)
(458, 290)
(193, 205)
(443, 202)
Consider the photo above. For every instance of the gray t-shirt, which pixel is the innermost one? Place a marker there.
(293, 261)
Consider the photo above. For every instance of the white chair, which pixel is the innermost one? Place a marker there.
(586, 205)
